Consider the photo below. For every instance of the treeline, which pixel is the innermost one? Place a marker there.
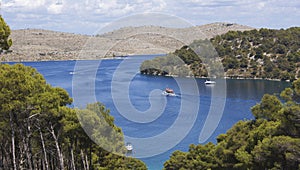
(170, 65)
(197, 60)
(263, 53)
(39, 131)
(270, 141)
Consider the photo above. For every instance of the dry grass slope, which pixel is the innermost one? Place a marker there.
(42, 45)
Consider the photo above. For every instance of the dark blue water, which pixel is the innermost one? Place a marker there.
(241, 95)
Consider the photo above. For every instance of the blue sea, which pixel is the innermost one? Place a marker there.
(155, 124)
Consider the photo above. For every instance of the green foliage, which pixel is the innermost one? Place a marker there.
(267, 109)
(278, 152)
(270, 141)
(187, 55)
(292, 94)
(100, 126)
(264, 53)
(116, 162)
(230, 63)
(5, 42)
(274, 51)
(176, 161)
(196, 60)
(38, 130)
(167, 65)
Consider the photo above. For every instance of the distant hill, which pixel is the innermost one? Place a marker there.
(38, 45)
(263, 53)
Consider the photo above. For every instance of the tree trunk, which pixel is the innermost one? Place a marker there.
(83, 159)
(21, 158)
(30, 153)
(13, 149)
(60, 156)
(90, 160)
(7, 156)
(51, 162)
(72, 157)
(29, 146)
(25, 162)
(87, 162)
(26, 150)
(2, 158)
(44, 149)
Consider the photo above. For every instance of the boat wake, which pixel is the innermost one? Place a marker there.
(168, 92)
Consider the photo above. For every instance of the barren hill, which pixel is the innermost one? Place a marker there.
(38, 45)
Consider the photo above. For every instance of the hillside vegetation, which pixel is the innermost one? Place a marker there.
(263, 53)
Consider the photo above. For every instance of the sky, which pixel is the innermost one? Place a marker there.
(88, 16)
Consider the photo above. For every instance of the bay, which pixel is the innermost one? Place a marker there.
(113, 75)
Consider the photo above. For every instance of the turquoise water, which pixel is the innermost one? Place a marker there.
(113, 75)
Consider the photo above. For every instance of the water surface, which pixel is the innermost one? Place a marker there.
(241, 95)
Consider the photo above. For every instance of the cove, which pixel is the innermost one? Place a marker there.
(110, 79)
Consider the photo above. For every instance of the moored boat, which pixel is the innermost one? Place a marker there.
(207, 82)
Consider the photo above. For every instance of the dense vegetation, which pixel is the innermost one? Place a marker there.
(264, 53)
(187, 61)
(5, 41)
(39, 131)
(270, 141)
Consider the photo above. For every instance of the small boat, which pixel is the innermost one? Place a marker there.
(207, 82)
(168, 92)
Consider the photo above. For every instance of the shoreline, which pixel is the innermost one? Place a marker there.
(126, 56)
(3, 59)
(224, 78)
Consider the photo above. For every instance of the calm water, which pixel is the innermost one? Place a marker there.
(110, 76)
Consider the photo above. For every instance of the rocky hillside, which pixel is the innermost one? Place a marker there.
(38, 45)
(263, 53)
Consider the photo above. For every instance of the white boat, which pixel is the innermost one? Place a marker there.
(168, 92)
(209, 82)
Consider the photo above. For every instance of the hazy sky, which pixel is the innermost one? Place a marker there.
(87, 16)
